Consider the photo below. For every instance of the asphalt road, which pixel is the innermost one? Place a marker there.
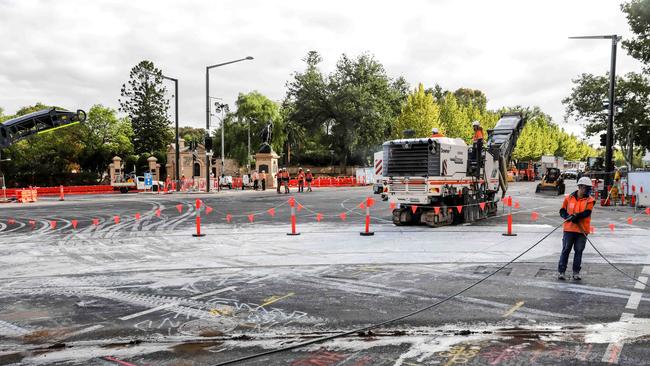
(144, 291)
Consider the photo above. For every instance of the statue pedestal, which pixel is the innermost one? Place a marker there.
(269, 163)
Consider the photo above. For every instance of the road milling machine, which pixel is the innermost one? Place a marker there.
(439, 180)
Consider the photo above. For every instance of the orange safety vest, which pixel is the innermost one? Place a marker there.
(301, 176)
(437, 135)
(573, 206)
(478, 135)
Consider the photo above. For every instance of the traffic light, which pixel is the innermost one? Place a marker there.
(208, 143)
(603, 139)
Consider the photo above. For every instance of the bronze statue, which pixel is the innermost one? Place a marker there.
(266, 135)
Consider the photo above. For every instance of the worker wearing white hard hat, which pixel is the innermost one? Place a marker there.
(576, 212)
(435, 132)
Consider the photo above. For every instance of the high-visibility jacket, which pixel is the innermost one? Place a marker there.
(478, 135)
(437, 135)
(301, 177)
(581, 208)
(309, 177)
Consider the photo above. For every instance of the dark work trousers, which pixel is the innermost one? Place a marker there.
(264, 184)
(301, 186)
(256, 184)
(577, 241)
(279, 184)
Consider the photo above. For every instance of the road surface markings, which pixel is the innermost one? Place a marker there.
(229, 288)
(613, 351)
(274, 299)
(513, 309)
(262, 278)
(633, 301)
(144, 312)
(86, 330)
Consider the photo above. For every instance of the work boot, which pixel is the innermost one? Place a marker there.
(561, 276)
(576, 277)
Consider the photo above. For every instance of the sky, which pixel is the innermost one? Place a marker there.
(75, 54)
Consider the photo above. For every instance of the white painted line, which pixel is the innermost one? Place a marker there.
(633, 301)
(86, 330)
(639, 285)
(200, 296)
(646, 270)
(613, 352)
(144, 312)
(262, 278)
(626, 317)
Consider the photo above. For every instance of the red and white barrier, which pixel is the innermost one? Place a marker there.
(367, 232)
(198, 219)
(292, 203)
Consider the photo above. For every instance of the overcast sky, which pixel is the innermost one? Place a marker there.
(78, 53)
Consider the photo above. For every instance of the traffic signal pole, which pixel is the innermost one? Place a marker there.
(609, 163)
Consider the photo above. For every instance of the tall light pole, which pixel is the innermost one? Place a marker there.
(207, 109)
(178, 149)
(609, 163)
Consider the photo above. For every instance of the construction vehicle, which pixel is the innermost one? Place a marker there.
(45, 120)
(527, 171)
(378, 179)
(134, 183)
(552, 180)
(431, 177)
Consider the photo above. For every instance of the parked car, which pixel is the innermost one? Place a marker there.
(570, 174)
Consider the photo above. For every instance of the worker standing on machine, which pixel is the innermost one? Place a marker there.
(436, 133)
(576, 212)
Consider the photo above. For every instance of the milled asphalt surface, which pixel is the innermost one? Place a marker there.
(145, 292)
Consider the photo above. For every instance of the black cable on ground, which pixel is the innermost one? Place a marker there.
(607, 260)
(372, 326)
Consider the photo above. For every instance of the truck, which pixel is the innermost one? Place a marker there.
(134, 183)
(550, 161)
(430, 178)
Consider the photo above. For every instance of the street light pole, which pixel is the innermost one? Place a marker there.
(207, 114)
(609, 163)
(177, 159)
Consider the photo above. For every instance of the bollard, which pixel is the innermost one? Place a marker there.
(509, 204)
(292, 203)
(61, 196)
(367, 231)
(198, 219)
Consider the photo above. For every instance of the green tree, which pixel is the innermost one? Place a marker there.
(638, 17)
(192, 134)
(103, 136)
(143, 100)
(420, 113)
(350, 111)
(633, 92)
(454, 119)
(475, 97)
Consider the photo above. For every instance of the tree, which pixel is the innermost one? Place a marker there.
(633, 93)
(192, 134)
(350, 111)
(638, 17)
(145, 103)
(420, 113)
(454, 119)
(475, 97)
(103, 136)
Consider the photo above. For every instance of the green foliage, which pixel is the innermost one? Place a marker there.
(103, 136)
(350, 111)
(454, 119)
(638, 17)
(542, 137)
(192, 134)
(420, 113)
(145, 103)
(633, 93)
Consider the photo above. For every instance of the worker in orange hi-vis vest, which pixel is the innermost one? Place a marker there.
(436, 133)
(576, 212)
(301, 180)
(309, 177)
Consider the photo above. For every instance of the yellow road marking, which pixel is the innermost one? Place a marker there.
(513, 309)
(273, 299)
